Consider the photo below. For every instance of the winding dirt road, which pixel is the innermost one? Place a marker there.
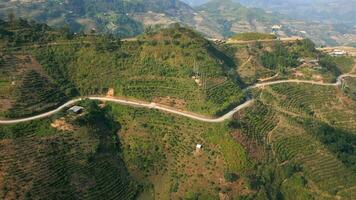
(173, 110)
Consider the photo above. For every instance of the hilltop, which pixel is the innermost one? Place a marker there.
(173, 66)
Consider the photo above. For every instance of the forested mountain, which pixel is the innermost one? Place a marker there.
(215, 19)
(231, 18)
(122, 17)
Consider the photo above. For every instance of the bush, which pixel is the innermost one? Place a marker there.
(230, 177)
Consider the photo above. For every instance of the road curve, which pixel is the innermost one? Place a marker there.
(172, 110)
(133, 104)
(338, 82)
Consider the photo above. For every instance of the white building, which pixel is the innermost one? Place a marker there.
(76, 109)
(338, 52)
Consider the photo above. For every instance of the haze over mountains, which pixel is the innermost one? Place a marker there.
(215, 18)
(336, 11)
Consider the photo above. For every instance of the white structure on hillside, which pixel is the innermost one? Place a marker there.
(338, 52)
(199, 146)
(76, 109)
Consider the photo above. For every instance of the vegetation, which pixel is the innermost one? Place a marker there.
(339, 142)
(154, 149)
(35, 94)
(344, 64)
(280, 59)
(79, 163)
(294, 139)
(253, 36)
(164, 67)
(256, 122)
(349, 88)
(17, 32)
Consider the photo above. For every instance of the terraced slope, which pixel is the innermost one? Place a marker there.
(161, 149)
(174, 66)
(35, 94)
(321, 167)
(79, 160)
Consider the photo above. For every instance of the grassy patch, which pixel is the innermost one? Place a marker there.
(345, 64)
(253, 36)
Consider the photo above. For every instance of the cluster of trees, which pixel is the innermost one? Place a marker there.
(279, 59)
(328, 63)
(20, 31)
(341, 143)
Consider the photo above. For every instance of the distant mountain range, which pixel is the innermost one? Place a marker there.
(215, 18)
(329, 11)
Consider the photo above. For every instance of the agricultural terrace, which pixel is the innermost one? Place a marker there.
(326, 176)
(76, 160)
(268, 61)
(173, 66)
(161, 149)
(157, 150)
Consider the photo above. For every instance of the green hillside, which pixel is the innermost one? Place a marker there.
(295, 141)
(174, 66)
(80, 162)
(119, 17)
(271, 149)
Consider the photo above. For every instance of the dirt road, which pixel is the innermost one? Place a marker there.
(169, 109)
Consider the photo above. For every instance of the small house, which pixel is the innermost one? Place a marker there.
(76, 109)
(199, 146)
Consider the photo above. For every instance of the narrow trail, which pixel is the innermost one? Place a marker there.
(170, 109)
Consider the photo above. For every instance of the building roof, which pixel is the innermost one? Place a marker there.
(76, 109)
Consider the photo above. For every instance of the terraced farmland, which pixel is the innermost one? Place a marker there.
(35, 94)
(39, 162)
(321, 167)
(185, 67)
(325, 103)
(161, 147)
(257, 121)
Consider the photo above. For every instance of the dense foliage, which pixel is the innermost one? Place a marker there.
(340, 142)
(18, 32)
(280, 58)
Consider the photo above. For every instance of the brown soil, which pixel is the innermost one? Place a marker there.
(5, 104)
(62, 125)
(170, 101)
(255, 151)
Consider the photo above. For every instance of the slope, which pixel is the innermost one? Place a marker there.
(77, 160)
(121, 17)
(231, 17)
(174, 66)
